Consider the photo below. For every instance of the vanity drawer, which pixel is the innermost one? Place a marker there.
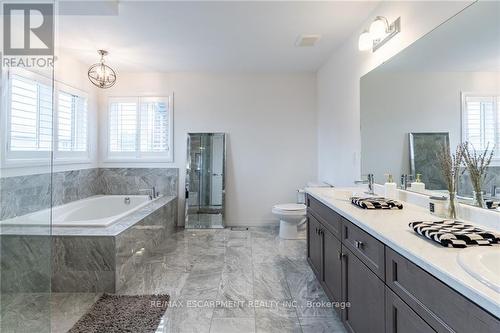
(441, 307)
(368, 249)
(400, 318)
(327, 216)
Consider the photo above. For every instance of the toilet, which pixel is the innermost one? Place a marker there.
(290, 216)
(293, 215)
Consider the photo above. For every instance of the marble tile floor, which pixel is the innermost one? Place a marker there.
(221, 281)
(204, 221)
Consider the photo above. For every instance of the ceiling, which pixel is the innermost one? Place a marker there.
(468, 42)
(256, 36)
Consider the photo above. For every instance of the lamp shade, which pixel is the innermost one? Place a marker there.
(378, 28)
(365, 41)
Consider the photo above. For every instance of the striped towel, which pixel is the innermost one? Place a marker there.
(376, 203)
(450, 233)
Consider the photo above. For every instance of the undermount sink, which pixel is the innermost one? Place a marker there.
(483, 263)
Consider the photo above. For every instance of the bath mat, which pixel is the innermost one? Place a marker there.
(450, 233)
(123, 313)
(376, 203)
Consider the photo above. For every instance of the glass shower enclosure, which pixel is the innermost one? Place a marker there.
(205, 181)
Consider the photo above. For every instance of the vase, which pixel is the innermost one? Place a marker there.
(452, 205)
(478, 199)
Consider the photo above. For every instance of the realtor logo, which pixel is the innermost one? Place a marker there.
(28, 29)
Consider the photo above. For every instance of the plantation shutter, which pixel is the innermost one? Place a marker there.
(482, 122)
(123, 127)
(72, 122)
(154, 127)
(139, 126)
(30, 115)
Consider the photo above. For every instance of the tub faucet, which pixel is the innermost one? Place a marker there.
(370, 180)
(151, 192)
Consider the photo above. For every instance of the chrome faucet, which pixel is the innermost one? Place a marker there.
(151, 192)
(370, 180)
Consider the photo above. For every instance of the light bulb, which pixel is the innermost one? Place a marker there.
(365, 41)
(378, 28)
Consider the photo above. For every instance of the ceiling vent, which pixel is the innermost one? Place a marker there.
(307, 40)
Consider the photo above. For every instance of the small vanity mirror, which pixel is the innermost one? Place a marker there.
(206, 158)
(442, 90)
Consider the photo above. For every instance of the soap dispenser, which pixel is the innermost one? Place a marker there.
(417, 185)
(390, 187)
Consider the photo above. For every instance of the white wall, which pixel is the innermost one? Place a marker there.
(394, 104)
(338, 86)
(271, 125)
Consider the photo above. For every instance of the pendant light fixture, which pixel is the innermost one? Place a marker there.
(100, 74)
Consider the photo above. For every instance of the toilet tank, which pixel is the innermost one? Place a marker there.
(301, 193)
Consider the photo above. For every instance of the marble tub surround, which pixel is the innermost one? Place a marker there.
(83, 264)
(25, 264)
(83, 259)
(105, 262)
(112, 230)
(391, 228)
(22, 195)
(131, 180)
(136, 245)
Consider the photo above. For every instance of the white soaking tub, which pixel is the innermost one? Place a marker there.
(95, 211)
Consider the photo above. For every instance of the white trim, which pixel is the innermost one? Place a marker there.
(137, 156)
(495, 161)
(15, 159)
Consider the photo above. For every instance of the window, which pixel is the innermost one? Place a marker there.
(71, 123)
(29, 124)
(481, 122)
(30, 121)
(139, 128)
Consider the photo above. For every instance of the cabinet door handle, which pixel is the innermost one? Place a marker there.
(341, 255)
(359, 244)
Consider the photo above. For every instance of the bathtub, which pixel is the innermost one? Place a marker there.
(95, 211)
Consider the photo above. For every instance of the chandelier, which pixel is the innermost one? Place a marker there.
(101, 74)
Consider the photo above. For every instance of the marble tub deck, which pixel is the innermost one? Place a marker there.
(219, 265)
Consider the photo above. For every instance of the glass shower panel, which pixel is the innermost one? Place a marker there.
(205, 180)
(26, 141)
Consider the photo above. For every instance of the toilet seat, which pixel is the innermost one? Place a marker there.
(290, 209)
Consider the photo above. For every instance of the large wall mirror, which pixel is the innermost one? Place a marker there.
(443, 88)
(205, 181)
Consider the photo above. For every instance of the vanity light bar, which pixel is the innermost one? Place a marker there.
(393, 30)
(380, 32)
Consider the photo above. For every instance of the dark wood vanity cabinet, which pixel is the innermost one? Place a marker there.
(314, 245)
(324, 256)
(332, 267)
(386, 292)
(400, 318)
(365, 293)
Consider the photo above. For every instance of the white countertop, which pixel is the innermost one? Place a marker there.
(391, 228)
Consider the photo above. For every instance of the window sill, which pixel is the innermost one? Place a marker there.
(26, 163)
(138, 160)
